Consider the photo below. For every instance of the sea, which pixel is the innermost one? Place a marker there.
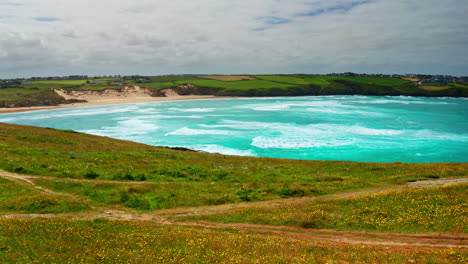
(347, 128)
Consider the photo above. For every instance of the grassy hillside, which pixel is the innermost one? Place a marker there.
(184, 178)
(102, 241)
(409, 211)
(40, 93)
(75, 198)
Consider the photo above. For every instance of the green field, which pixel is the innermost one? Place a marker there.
(384, 81)
(283, 79)
(253, 84)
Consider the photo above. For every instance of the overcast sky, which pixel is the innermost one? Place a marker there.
(153, 37)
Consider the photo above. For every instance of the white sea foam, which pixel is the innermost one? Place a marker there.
(272, 107)
(241, 125)
(282, 106)
(211, 148)
(185, 131)
(174, 116)
(124, 129)
(9, 119)
(198, 110)
(426, 134)
(285, 142)
(97, 111)
(343, 111)
(396, 101)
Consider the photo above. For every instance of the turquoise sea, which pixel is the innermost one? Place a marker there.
(353, 128)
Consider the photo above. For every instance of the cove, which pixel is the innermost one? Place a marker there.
(351, 128)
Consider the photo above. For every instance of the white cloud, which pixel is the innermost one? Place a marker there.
(222, 36)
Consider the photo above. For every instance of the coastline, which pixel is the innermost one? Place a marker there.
(113, 101)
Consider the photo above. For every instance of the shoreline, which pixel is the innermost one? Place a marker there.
(112, 101)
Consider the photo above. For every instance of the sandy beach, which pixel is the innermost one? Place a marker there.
(109, 97)
(107, 102)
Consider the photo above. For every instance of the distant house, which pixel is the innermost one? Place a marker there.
(436, 80)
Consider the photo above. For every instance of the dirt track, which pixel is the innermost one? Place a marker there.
(163, 217)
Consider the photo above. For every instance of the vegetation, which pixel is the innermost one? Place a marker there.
(20, 198)
(103, 241)
(409, 211)
(179, 176)
(17, 93)
(79, 177)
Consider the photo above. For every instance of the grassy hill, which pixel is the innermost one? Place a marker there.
(40, 93)
(72, 197)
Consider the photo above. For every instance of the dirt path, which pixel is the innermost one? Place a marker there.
(24, 179)
(164, 217)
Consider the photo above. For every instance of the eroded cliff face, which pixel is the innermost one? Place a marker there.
(125, 92)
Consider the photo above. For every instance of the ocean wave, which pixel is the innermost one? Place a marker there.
(185, 131)
(285, 142)
(124, 128)
(198, 110)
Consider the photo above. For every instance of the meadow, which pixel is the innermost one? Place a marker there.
(65, 191)
(104, 241)
(405, 211)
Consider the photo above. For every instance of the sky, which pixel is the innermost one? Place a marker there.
(156, 37)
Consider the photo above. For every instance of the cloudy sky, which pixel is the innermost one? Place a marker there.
(153, 37)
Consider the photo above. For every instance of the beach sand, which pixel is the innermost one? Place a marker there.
(107, 102)
(133, 95)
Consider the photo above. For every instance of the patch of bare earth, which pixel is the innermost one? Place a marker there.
(411, 79)
(228, 78)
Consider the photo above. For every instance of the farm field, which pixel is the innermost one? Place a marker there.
(228, 77)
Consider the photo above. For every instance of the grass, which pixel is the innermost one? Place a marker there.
(59, 82)
(316, 81)
(102, 241)
(283, 79)
(384, 81)
(179, 176)
(20, 198)
(151, 178)
(253, 84)
(228, 78)
(408, 211)
(459, 85)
